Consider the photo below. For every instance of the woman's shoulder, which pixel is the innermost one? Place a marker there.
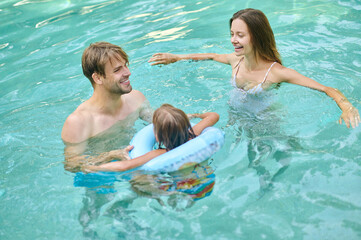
(234, 59)
(280, 73)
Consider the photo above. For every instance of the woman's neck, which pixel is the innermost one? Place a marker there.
(253, 62)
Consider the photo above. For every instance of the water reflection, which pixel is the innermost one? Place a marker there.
(184, 186)
(258, 120)
(104, 195)
(180, 14)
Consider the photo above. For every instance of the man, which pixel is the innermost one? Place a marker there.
(112, 104)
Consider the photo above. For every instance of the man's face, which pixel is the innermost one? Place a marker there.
(116, 79)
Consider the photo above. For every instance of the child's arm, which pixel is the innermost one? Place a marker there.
(121, 166)
(208, 119)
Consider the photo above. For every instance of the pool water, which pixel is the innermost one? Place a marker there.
(285, 172)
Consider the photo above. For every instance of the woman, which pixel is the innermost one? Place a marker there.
(256, 63)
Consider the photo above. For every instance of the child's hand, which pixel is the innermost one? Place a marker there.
(192, 115)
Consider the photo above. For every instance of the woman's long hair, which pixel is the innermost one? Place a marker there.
(262, 37)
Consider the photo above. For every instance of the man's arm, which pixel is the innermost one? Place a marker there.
(75, 159)
(76, 131)
(142, 104)
(146, 111)
(125, 165)
(73, 156)
(77, 128)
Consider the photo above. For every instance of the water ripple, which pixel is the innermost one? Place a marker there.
(4, 45)
(180, 14)
(54, 19)
(89, 9)
(84, 10)
(42, 83)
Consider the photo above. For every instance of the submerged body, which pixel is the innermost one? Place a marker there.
(194, 151)
(171, 130)
(113, 102)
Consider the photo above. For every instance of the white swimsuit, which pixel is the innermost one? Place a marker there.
(256, 89)
(250, 101)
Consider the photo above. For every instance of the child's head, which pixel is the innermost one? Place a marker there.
(171, 127)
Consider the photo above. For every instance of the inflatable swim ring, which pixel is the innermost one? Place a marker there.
(192, 152)
(198, 184)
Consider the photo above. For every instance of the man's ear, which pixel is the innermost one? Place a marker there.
(97, 78)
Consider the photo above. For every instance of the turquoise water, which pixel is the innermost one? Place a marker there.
(288, 173)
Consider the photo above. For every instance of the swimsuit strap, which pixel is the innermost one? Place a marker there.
(256, 89)
(265, 77)
(237, 66)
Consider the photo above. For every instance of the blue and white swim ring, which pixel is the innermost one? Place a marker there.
(188, 154)
(192, 152)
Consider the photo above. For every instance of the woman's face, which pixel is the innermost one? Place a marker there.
(240, 38)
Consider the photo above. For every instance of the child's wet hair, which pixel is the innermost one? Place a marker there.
(171, 127)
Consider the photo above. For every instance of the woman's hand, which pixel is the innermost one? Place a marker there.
(351, 117)
(163, 58)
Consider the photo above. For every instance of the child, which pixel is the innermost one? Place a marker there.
(171, 129)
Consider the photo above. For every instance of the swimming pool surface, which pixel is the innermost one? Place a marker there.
(287, 171)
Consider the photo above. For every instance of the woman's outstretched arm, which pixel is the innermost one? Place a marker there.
(167, 58)
(350, 114)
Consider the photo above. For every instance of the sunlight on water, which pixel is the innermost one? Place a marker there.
(286, 170)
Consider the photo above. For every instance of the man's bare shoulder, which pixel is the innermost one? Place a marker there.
(77, 127)
(135, 97)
